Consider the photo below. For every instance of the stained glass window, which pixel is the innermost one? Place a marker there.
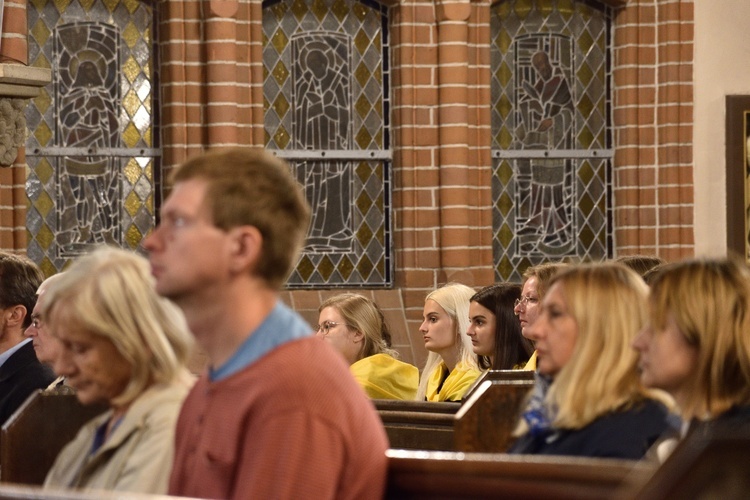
(326, 92)
(552, 152)
(91, 134)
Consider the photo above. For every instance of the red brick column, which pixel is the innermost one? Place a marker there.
(442, 165)
(211, 76)
(653, 119)
(13, 201)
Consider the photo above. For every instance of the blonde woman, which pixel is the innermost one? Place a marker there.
(588, 400)
(126, 347)
(451, 367)
(355, 326)
(697, 344)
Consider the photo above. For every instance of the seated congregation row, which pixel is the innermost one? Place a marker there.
(277, 415)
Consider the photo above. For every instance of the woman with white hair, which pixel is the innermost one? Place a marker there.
(124, 346)
(451, 367)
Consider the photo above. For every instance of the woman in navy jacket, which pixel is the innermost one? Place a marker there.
(588, 400)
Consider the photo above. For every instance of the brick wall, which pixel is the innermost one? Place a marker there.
(653, 120)
(211, 94)
(13, 201)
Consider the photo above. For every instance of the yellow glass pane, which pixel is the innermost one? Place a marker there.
(87, 4)
(131, 5)
(43, 101)
(133, 237)
(131, 35)
(131, 69)
(279, 41)
(43, 134)
(340, 9)
(40, 32)
(131, 136)
(361, 41)
(61, 5)
(132, 203)
(319, 9)
(132, 171)
(44, 170)
(44, 204)
(362, 74)
(111, 4)
(45, 237)
(131, 103)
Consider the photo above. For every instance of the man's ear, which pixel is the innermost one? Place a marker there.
(15, 315)
(247, 246)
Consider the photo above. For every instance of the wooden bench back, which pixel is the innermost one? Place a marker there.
(711, 464)
(418, 425)
(449, 475)
(486, 419)
(33, 436)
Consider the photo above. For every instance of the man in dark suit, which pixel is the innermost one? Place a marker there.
(21, 373)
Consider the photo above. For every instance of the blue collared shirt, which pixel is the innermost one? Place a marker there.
(7, 354)
(280, 326)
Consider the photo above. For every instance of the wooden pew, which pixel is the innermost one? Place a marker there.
(25, 492)
(418, 425)
(33, 436)
(711, 464)
(481, 423)
(489, 414)
(453, 475)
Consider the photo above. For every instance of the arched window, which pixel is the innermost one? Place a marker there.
(551, 132)
(91, 147)
(326, 95)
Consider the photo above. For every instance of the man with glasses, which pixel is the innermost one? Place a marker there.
(45, 345)
(21, 373)
(278, 415)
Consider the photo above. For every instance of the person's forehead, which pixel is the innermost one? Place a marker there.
(186, 196)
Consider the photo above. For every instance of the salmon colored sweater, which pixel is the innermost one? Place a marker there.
(294, 424)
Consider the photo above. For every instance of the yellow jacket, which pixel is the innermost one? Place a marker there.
(384, 377)
(455, 385)
(531, 364)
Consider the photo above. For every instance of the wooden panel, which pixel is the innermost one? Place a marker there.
(33, 436)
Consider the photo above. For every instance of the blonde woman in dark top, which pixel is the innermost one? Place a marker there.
(588, 399)
(697, 343)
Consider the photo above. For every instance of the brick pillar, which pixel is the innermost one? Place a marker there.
(13, 200)
(211, 72)
(653, 119)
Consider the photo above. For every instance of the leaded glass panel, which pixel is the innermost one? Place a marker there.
(326, 111)
(91, 134)
(551, 145)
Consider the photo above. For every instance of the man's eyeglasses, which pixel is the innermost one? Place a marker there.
(525, 301)
(326, 326)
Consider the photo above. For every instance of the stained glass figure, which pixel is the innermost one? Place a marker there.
(551, 146)
(326, 93)
(86, 95)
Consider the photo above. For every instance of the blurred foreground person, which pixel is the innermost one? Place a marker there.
(697, 344)
(278, 415)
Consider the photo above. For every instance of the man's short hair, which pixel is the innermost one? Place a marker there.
(251, 187)
(19, 279)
